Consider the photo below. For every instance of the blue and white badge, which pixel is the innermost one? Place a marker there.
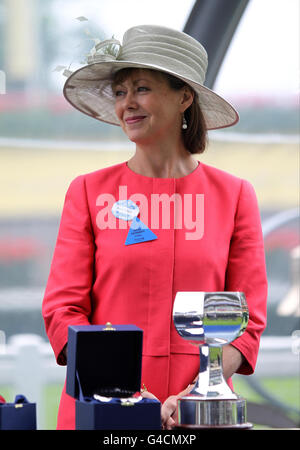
(125, 210)
(138, 232)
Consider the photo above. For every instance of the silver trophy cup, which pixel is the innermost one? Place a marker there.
(211, 320)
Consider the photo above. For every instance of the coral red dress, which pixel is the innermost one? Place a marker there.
(209, 238)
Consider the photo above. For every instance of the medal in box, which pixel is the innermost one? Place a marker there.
(104, 376)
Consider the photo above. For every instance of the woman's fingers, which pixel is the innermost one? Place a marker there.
(167, 411)
(147, 394)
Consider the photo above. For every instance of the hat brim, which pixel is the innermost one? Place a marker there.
(89, 90)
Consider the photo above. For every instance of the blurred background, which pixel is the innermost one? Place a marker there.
(44, 144)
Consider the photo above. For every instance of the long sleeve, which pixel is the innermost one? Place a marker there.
(67, 296)
(246, 272)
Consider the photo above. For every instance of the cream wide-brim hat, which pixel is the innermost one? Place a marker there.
(154, 47)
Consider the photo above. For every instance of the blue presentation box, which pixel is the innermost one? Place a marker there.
(106, 360)
(20, 415)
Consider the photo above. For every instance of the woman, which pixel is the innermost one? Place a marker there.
(205, 226)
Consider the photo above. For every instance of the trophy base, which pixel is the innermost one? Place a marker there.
(194, 412)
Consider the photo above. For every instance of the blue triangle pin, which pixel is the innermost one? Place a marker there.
(139, 232)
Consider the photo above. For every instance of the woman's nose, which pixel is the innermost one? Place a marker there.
(130, 100)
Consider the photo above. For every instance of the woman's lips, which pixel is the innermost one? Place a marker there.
(134, 119)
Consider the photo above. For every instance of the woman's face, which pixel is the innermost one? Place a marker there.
(147, 108)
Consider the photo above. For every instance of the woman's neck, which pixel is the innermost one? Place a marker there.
(162, 161)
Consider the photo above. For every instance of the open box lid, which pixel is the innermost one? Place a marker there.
(104, 358)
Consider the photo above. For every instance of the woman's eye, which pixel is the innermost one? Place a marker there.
(118, 93)
(142, 89)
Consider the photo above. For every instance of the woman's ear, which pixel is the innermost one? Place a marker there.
(187, 98)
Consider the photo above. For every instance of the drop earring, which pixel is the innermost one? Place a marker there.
(184, 124)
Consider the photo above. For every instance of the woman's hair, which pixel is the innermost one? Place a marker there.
(195, 135)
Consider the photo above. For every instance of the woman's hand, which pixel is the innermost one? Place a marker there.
(168, 410)
(169, 407)
(147, 394)
(232, 360)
